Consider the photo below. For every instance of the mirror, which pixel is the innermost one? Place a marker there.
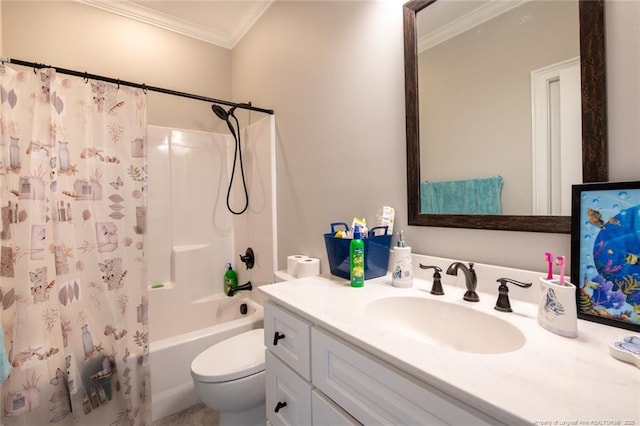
(592, 98)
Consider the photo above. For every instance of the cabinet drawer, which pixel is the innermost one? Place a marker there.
(325, 412)
(288, 337)
(287, 393)
(376, 393)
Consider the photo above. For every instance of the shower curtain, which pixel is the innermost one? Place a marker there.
(72, 278)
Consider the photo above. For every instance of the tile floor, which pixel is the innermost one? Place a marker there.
(198, 415)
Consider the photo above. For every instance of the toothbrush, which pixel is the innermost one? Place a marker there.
(549, 258)
(560, 262)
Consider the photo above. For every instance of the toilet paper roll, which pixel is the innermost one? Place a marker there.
(292, 263)
(308, 267)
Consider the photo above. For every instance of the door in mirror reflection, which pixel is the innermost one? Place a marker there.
(556, 136)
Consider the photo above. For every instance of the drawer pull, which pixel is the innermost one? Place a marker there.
(277, 337)
(280, 405)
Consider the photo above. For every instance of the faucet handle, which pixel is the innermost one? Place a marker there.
(502, 304)
(249, 258)
(436, 288)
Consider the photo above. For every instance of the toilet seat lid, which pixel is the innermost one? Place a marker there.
(239, 356)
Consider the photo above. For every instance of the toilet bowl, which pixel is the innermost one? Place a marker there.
(229, 377)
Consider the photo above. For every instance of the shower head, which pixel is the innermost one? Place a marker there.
(220, 112)
(225, 116)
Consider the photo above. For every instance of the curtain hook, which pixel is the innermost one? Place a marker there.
(144, 88)
(118, 86)
(86, 78)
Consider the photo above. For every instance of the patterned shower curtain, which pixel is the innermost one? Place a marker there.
(72, 277)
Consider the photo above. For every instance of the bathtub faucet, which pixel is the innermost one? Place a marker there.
(234, 290)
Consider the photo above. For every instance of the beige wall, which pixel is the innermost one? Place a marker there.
(75, 36)
(333, 71)
(1, 50)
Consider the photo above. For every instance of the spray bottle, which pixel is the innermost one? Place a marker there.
(356, 258)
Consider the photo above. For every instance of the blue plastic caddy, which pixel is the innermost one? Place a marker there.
(376, 252)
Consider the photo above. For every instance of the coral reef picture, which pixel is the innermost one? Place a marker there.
(605, 252)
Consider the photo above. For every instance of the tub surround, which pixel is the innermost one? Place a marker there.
(551, 378)
(190, 238)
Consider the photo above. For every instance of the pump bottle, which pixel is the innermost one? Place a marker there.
(402, 272)
(230, 279)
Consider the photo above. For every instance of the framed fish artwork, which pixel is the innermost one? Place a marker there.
(605, 252)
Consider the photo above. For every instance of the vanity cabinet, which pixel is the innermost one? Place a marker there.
(325, 412)
(317, 378)
(375, 392)
(289, 338)
(290, 396)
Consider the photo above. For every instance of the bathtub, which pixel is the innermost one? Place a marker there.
(218, 318)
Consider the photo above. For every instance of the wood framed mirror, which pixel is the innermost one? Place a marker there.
(593, 124)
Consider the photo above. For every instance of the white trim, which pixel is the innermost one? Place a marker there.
(478, 16)
(541, 79)
(274, 193)
(147, 15)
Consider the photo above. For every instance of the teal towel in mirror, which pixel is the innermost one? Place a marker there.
(469, 196)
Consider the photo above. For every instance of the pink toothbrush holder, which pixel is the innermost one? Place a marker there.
(557, 311)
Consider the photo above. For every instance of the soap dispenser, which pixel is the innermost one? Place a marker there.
(402, 272)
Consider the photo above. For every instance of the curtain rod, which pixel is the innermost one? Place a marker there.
(136, 85)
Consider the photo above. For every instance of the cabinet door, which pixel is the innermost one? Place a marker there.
(376, 393)
(326, 413)
(288, 395)
(288, 337)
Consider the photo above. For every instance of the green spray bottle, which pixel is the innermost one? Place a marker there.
(356, 258)
(230, 279)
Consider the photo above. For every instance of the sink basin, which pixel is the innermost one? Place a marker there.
(445, 324)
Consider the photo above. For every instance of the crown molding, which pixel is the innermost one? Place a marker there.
(255, 14)
(476, 17)
(168, 22)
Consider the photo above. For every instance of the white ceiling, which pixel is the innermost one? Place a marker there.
(219, 22)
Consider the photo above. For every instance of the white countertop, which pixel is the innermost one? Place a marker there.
(550, 380)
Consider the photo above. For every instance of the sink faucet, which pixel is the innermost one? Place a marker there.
(470, 278)
(234, 290)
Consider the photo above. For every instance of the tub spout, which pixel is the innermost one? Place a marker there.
(234, 290)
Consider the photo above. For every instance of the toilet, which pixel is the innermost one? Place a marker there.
(229, 377)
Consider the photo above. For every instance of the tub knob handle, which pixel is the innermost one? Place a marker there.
(277, 337)
(249, 258)
(280, 405)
